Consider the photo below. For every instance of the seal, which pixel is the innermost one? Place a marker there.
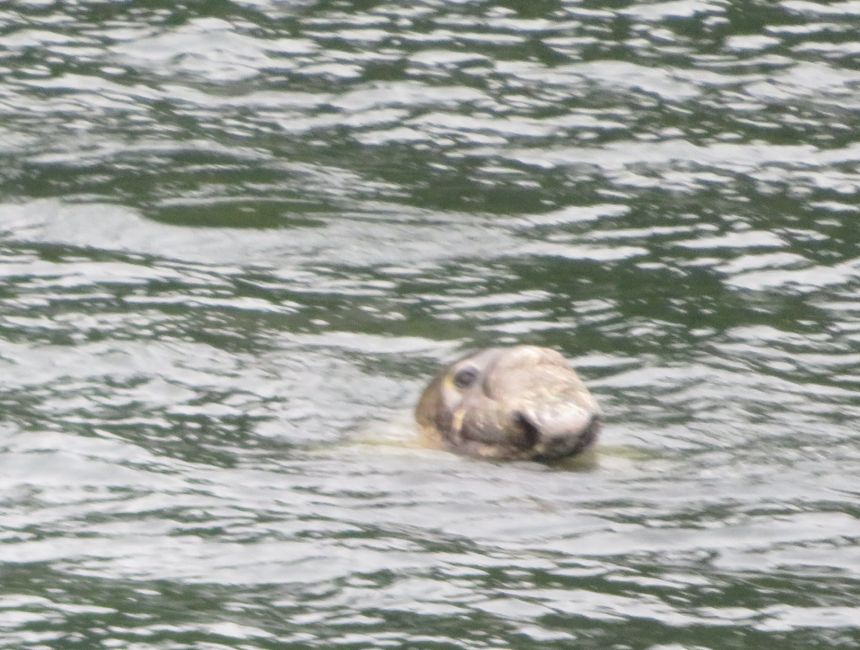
(521, 402)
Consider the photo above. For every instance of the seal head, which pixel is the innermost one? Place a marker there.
(522, 402)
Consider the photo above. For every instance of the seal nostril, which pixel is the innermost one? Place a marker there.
(528, 433)
(589, 434)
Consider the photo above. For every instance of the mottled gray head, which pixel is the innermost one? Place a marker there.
(519, 402)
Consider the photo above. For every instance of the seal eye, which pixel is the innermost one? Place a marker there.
(465, 377)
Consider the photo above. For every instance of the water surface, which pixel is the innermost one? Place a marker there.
(237, 238)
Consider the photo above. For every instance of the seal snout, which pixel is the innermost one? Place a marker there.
(558, 433)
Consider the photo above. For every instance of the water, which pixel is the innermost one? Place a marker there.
(237, 238)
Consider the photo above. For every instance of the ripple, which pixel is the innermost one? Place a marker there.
(187, 50)
(838, 8)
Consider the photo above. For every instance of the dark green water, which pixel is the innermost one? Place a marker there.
(236, 238)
